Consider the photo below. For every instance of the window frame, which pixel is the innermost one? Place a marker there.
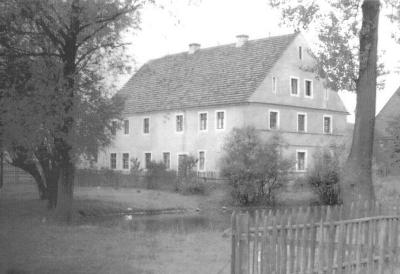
(298, 86)
(145, 160)
(111, 160)
(311, 88)
(144, 127)
(176, 123)
(300, 53)
(305, 121)
(169, 159)
(274, 84)
(277, 119)
(330, 124)
(216, 120)
(126, 128)
(205, 160)
(128, 162)
(305, 160)
(199, 120)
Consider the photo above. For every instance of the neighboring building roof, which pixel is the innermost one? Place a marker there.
(387, 114)
(209, 77)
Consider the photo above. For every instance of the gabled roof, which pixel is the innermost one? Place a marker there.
(210, 77)
(387, 114)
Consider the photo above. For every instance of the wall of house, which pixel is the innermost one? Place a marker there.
(164, 138)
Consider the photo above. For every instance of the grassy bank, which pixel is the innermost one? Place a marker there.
(31, 243)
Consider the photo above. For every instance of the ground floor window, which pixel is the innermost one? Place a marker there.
(202, 160)
(167, 160)
(147, 159)
(301, 160)
(125, 160)
(113, 160)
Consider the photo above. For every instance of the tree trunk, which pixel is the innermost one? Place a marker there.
(65, 190)
(357, 179)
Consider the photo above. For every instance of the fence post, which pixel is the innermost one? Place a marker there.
(359, 239)
(342, 241)
(382, 243)
(234, 242)
(313, 239)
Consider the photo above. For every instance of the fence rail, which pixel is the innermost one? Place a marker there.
(316, 240)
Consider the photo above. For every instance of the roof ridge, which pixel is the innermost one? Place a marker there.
(294, 34)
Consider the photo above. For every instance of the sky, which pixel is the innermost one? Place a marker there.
(216, 22)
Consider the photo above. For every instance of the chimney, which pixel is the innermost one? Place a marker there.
(193, 47)
(241, 40)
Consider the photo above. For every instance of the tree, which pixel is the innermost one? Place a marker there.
(255, 168)
(66, 46)
(347, 65)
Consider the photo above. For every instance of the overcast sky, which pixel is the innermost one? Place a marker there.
(216, 22)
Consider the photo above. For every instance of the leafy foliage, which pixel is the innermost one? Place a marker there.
(254, 168)
(324, 177)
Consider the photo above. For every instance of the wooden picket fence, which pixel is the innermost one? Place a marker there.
(316, 240)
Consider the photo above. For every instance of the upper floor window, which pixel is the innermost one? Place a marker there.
(114, 128)
(273, 119)
(146, 125)
(203, 121)
(327, 124)
(113, 160)
(301, 160)
(274, 85)
(301, 122)
(126, 127)
(125, 160)
(179, 123)
(202, 160)
(147, 159)
(300, 52)
(167, 160)
(294, 86)
(220, 119)
(308, 88)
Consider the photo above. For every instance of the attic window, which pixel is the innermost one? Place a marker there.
(300, 52)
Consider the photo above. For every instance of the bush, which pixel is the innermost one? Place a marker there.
(255, 168)
(324, 177)
(106, 177)
(189, 183)
(158, 177)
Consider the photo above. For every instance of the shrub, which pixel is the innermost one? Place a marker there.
(158, 177)
(189, 183)
(324, 177)
(255, 168)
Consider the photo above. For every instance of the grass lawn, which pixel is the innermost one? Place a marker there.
(29, 243)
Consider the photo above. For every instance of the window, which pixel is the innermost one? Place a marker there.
(301, 161)
(301, 122)
(326, 94)
(181, 159)
(179, 123)
(114, 128)
(300, 52)
(294, 86)
(113, 160)
(308, 88)
(203, 121)
(146, 125)
(126, 127)
(125, 160)
(220, 119)
(327, 124)
(273, 119)
(167, 160)
(202, 160)
(274, 85)
(147, 159)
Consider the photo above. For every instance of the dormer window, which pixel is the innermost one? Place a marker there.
(300, 52)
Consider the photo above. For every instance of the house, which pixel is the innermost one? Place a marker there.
(387, 161)
(187, 103)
